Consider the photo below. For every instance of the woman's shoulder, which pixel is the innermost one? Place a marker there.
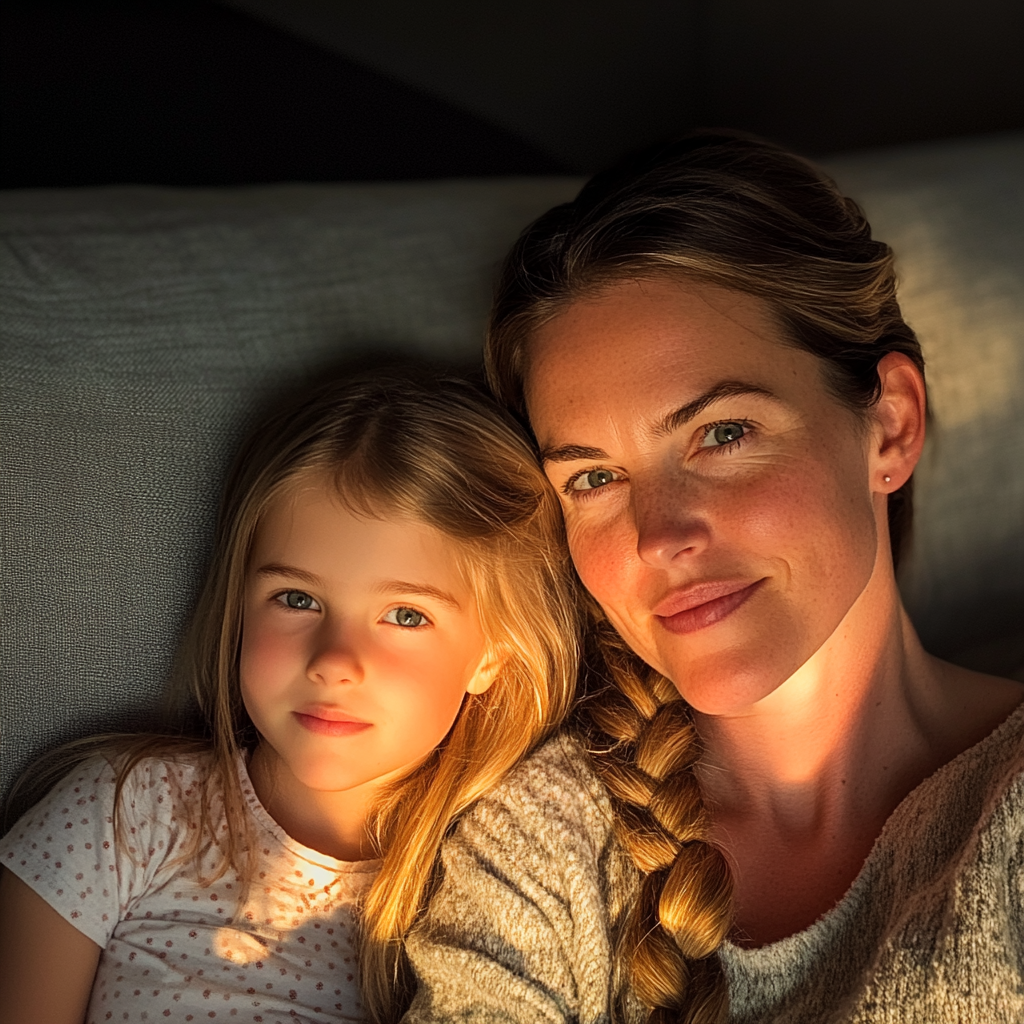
(992, 770)
(550, 804)
(519, 926)
(997, 767)
(554, 788)
(971, 808)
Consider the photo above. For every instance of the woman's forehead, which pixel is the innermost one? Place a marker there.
(651, 346)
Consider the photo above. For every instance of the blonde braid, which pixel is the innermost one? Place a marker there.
(644, 746)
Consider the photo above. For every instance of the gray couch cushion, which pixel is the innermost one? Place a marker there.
(142, 327)
(954, 213)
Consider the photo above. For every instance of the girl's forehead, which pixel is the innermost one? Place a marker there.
(316, 517)
(323, 496)
(343, 488)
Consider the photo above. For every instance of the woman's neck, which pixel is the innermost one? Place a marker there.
(802, 783)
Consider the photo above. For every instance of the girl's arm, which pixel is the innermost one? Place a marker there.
(47, 965)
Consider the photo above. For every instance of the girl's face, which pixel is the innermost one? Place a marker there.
(716, 496)
(360, 640)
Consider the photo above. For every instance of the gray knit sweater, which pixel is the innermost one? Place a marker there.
(932, 929)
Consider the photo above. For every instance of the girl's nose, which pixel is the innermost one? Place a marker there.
(668, 530)
(336, 659)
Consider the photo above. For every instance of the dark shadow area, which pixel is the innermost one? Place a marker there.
(192, 93)
(199, 92)
(847, 74)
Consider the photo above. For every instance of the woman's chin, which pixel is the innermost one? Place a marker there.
(728, 684)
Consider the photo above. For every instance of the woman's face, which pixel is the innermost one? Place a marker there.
(716, 495)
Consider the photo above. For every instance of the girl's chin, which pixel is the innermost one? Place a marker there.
(330, 782)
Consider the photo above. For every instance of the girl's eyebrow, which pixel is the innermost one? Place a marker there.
(291, 571)
(419, 589)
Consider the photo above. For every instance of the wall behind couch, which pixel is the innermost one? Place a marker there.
(586, 80)
(200, 92)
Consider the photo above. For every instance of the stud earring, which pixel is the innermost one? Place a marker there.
(887, 479)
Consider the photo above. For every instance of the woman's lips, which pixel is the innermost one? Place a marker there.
(329, 722)
(702, 605)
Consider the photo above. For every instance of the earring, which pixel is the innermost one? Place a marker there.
(887, 479)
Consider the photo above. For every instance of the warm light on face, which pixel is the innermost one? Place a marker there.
(360, 640)
(715, 494)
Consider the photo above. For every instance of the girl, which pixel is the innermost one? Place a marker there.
(388, 626)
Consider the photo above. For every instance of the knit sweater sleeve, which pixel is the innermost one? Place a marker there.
(519, 929)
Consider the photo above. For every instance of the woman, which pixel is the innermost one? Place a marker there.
(709, 351)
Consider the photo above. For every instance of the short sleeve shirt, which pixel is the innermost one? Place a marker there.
(174, 948)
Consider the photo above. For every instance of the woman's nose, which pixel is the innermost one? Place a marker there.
(336, 658)
(668, 530)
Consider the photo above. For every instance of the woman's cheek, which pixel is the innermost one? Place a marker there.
(602, 554)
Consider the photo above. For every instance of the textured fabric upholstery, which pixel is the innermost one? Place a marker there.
(141, 329)
(954, 213)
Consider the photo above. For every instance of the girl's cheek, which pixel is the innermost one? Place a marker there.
(267, 656)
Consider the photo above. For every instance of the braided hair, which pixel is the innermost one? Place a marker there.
(643, 744)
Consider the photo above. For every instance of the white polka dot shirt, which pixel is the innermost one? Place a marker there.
(173, 949)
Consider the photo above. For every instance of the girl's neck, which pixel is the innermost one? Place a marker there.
(332, 823)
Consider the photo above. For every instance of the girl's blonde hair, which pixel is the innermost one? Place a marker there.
(440, 452)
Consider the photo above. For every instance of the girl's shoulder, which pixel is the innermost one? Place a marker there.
(148, 788)
(100, 839)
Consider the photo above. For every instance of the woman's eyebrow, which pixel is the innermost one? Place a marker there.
(673, 421)
(571, 453)
(724, 389)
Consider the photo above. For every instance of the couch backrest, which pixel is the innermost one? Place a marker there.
(142, 328)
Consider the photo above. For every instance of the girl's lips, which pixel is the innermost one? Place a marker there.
(713, 603)
(329, 726)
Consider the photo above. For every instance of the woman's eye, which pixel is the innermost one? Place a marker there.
(593, 480)
(408, 617)
(724, 433)
(298, 599)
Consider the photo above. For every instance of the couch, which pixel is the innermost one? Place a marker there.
(142, 329)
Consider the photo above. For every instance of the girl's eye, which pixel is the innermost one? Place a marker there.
(407, 617)
(298, 599)
(724, 433)
(592, 480)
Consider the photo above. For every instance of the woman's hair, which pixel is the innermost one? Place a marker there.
(733, 211)
(440, 452)
(746, 215)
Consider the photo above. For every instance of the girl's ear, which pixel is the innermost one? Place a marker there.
(899, 416)
(486, 672)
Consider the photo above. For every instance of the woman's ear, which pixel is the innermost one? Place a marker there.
(899, 423)
(486, 672)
